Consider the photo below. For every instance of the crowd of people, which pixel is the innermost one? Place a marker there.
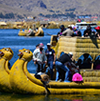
(72, 30)
(69, 31)
(65, 66)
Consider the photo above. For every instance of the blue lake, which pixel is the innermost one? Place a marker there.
(10, 38)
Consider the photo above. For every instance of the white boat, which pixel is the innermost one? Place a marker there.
(83, 25)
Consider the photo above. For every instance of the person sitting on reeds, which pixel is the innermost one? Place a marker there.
(30, 30)
(58, 36)
(62, 29)
(68, 32)
(88, 31)
(98, 31)
(77, 31)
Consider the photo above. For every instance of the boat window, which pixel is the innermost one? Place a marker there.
(84, 61)
(97, 63)
(98, 58)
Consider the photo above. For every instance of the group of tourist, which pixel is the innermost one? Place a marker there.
(74, 31)
(65, 66)
(41, 57)
(70, 31)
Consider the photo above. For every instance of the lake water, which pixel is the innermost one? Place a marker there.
(10, 38)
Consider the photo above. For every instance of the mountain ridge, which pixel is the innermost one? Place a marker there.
(49, 8)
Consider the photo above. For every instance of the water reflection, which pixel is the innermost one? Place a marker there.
(75, 97)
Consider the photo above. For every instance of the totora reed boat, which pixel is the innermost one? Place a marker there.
(23, 82)
(5, 55)
(27, 83)
(39, 32)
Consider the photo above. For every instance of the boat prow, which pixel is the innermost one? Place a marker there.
(4, 70)
(19, 80)
(39, 32)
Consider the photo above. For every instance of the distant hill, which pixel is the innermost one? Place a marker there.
(48, 8)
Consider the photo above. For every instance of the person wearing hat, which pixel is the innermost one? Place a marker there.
(62, 28)
(39, 58)
(73, 69)
(71, 56)
(61, 64)
(88, 31)
(50, 53)
(98, 32)
(68, 32)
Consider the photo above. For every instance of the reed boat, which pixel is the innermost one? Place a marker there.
(24, 82)
(39, 32)
(22, 33)
(20, 79)
(5, 55)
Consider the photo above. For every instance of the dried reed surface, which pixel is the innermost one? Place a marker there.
(79, 46)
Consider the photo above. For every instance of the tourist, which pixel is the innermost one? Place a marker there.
(79, 63)
(77, 32)
(58, 36)
(98, 31)
(34, 53)
(71, 56)
(68, 32)
(30, 29)
(73, 69)
(85, 62)
(97, 63)
(50, 53)
(39, 58)
(61, 63)
(88, 31)
(62, 29)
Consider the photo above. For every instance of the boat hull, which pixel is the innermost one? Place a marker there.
(88, 86)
